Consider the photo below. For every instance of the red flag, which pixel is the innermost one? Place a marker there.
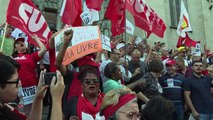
(116, 14)
(23, 14)
(94, 4)
(70, 12)
(186, 41)
(189, 42)
(145, 18)
(158, 27)
(180, 41)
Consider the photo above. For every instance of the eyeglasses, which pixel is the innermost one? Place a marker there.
(11, 82)
(90, 81)
(132, 116)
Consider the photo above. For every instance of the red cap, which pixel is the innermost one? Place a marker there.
(170, 62)
(87, 60)
(19, 39)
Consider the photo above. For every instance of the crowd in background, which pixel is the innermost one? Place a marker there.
(134, 81)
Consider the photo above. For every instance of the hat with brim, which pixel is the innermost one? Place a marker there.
(170, 62)
(18, 40)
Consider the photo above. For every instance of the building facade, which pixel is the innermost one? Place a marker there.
(200, 13)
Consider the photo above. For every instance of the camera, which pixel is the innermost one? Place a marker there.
(47, 78)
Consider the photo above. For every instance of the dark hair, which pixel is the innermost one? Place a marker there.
(7, 69)
(196, 61)
(110, 69)
(156, 66)
(158, 108)
(82, 74)
(10, 60)
(112, 51)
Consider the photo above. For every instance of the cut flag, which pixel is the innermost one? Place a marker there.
(146, 18)
(116, 14)
(70, 12)
(186, 41)
(184, 24)
(94, 4)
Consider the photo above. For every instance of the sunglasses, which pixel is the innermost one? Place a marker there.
(90, 81)
(11, 82)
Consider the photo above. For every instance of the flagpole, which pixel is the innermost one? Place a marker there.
(5, 30)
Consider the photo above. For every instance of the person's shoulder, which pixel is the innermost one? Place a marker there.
(180, 76)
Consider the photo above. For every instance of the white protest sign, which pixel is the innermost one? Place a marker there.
(92, 15)
(29, 94)
(105, 43)
(86, 116)
(86, 18)
(197, 51)
(129, 27)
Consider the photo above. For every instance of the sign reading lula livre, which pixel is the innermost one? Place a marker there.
(86, 40)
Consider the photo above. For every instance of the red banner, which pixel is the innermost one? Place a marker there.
(23, 14)
(116, 14)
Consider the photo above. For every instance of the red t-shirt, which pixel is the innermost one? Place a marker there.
(27, 72)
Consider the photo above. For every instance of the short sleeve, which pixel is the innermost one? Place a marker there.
(35, 56)
(187, 85)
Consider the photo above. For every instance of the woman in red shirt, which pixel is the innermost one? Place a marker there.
(27, 71)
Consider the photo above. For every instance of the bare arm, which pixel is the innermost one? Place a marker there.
(57, 91)
(147, 59)
(190, 105)
(67, 38)
(98, 57)
(142, 97)
(36, 110)
(42, 47)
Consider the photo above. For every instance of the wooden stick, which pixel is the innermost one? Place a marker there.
(4, 35)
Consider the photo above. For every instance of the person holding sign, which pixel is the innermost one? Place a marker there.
(6, 41)
(27, 74)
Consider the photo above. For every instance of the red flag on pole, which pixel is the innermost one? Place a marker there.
(70, 12)
(145, 18)
(116, 14)
(186, 41)
(23, 14)
(94, 4)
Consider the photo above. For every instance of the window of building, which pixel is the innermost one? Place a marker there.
(175, 6)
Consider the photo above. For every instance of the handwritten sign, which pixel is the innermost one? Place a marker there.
(105, 43)
(86, 40)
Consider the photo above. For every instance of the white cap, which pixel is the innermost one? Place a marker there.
(120, 45)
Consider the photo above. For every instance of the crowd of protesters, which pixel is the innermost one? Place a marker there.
(135, 81)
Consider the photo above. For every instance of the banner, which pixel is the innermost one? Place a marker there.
(184, 24)
(23, 14)
(85, 40)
